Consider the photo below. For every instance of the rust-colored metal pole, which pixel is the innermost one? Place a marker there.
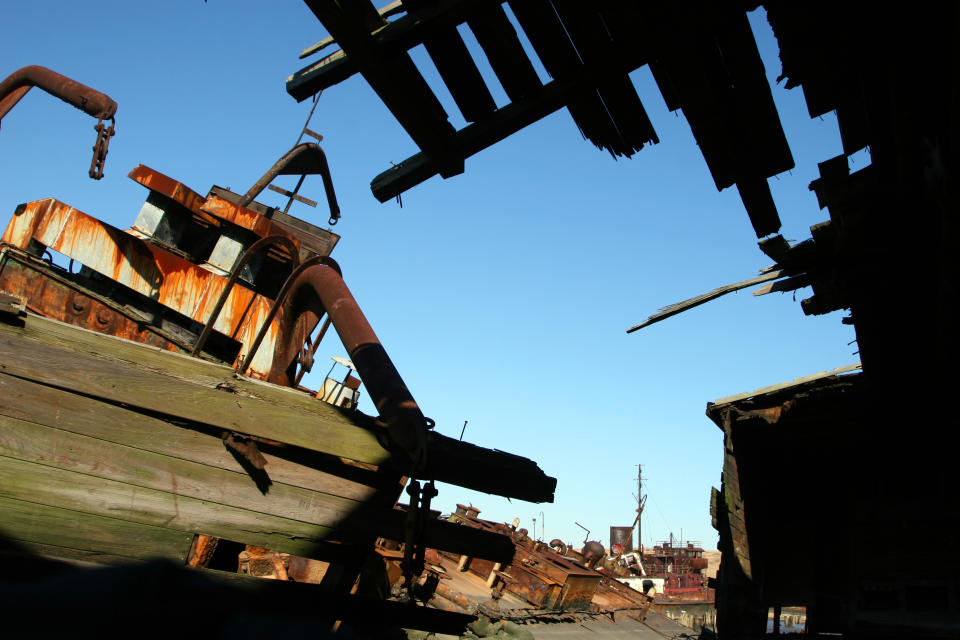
(320, 288)
(91, 101)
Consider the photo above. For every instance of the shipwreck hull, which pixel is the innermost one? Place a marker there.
(112, 451)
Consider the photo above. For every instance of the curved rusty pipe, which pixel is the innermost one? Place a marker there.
(91, 101)
(251, 251)
(318, 289)
(298, 161)
(281, 297)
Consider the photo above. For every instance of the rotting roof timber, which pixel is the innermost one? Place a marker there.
(704, 60)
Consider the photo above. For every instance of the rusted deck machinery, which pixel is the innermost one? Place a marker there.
(150, 401)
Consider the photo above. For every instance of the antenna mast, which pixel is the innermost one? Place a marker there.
(641, 502)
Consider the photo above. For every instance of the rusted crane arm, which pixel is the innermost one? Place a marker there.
(90, 101)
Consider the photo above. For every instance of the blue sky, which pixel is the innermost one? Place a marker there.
(503, 294)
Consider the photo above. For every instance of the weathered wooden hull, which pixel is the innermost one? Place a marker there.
(111, 450)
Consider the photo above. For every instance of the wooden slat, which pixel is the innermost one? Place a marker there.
(212, 489)
(391, 9)
(509, 61)
(41, 524)
(758, 201)
(787, 284)
(763, 144)
(126, 378)
(76, 557)
(86, 416)
(457, 69)
(850, 368)
(82, 454)
(396, 38)
(592, 40)
(680, 307)
(396, 81)
(552, 44)
(480, 135)
(57, 487)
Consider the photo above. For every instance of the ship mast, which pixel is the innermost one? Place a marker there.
(641, 501)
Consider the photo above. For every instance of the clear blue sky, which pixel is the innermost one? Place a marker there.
(503, 294)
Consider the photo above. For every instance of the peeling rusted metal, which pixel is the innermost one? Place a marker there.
(149, 270)
(252, 250)
(176, 191)
(54, 296)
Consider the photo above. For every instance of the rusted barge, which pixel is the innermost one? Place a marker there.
(151, 406)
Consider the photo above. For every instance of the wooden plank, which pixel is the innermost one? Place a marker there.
(391, 9)
(86, 416)
(41, 524)
(313, 425)
(515, 476)
(396, 37)
(55, 487)
(680, 307)
(457, 69)
(77, 557)
(509, 61)
(850, 368)
(787, 284)
(503, 123)
(29, 442)
(592, 40)
(395, 79)
(758, 201)
(551, 42)
(82, 454)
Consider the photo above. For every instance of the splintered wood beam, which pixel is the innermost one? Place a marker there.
(551, 42)
(592, 40)
(758, 201)
(394, 78)
(498, 473)
(680, 307)
(787, 284)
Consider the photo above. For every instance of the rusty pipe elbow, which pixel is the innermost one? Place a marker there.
(318, 289)
(90, 101)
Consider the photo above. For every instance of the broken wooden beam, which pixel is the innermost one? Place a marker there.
(680, 307)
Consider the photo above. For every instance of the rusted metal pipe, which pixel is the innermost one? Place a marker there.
(315, 260)
(304, 159)
(251, 251)
(317, 289)
(91, 101)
